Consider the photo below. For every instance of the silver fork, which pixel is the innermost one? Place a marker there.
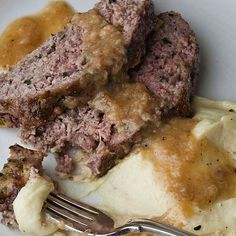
(82, 218)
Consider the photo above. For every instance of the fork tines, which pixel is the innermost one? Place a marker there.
(76, 215)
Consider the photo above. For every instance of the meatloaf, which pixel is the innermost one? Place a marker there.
(21, 164)
(104, 130)
(170, 67)
(137, 20)
(78, 61)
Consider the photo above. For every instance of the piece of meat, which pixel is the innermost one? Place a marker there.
(8, 121)
(78, 61)
(33, 89)
(80, 127)
(64, 164)
(137, 20)
(170, 68)
(104, 130)
(21, 163)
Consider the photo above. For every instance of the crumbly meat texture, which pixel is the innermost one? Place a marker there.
(170, 68)
(105, 130)
(8, 121)
(136, 18)
(14, 176)
(64, 163)
(73, 62)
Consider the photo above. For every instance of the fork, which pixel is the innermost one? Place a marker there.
(82, 218)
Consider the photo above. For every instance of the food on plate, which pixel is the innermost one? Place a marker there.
(183, 175)
(72, 62)
(23, 191)
(170, 66)
(92, 128)
(22, 164)
(110, 95)
(188, 173)
(75, 62)
(137, 20)
(27, 33)
(105, 130)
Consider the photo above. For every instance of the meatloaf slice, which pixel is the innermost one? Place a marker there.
(78, 61)
(170, 68)
(21, 164)
(104, 130)
(136, 18)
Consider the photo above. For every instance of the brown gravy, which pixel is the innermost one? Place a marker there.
(27, 33)
(197, 171)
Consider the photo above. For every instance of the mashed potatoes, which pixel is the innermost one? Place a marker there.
(28, 207)
(183, 175)
(148, 185)
(217, 123)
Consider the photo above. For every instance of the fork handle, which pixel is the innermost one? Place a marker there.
(149, 226)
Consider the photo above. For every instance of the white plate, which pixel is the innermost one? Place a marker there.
(213, 22)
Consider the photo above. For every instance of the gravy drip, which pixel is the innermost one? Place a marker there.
(197, 172)
(26, 34)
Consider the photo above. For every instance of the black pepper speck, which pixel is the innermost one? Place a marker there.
(197, 227)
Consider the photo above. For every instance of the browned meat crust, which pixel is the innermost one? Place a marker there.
(8, 121)
(14, 176)
(170, 68)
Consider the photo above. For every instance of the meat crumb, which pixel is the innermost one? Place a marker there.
(64, 164)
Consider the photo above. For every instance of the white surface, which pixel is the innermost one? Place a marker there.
(213, 22)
